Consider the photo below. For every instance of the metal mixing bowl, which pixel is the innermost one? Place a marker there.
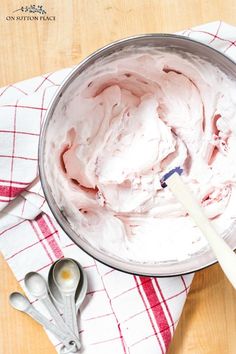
(173, 43)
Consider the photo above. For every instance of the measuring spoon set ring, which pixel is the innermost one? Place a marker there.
(63, 293)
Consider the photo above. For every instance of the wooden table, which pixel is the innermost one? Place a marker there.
(30, 48)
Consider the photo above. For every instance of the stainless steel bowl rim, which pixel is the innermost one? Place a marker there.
(142, 268)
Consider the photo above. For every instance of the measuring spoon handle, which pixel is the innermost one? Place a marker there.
(70, 314)
(53, 312)
(58, 319)
(38, 317)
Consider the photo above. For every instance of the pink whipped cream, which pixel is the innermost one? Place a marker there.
(119, 128)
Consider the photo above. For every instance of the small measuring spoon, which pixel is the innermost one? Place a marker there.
(19, 302)
(80, 291)
(66, 275)
(37, 286)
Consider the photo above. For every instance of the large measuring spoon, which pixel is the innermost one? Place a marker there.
(21, 303)
(37, 286)
(66, 275)
(80, 291)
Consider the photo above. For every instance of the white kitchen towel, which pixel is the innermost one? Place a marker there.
(121, 313)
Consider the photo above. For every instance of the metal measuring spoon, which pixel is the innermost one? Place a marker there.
(37, 286)
(66, 275)
(19, 302)
(80, 291)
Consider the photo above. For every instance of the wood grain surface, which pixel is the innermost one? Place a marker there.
(30, 48)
